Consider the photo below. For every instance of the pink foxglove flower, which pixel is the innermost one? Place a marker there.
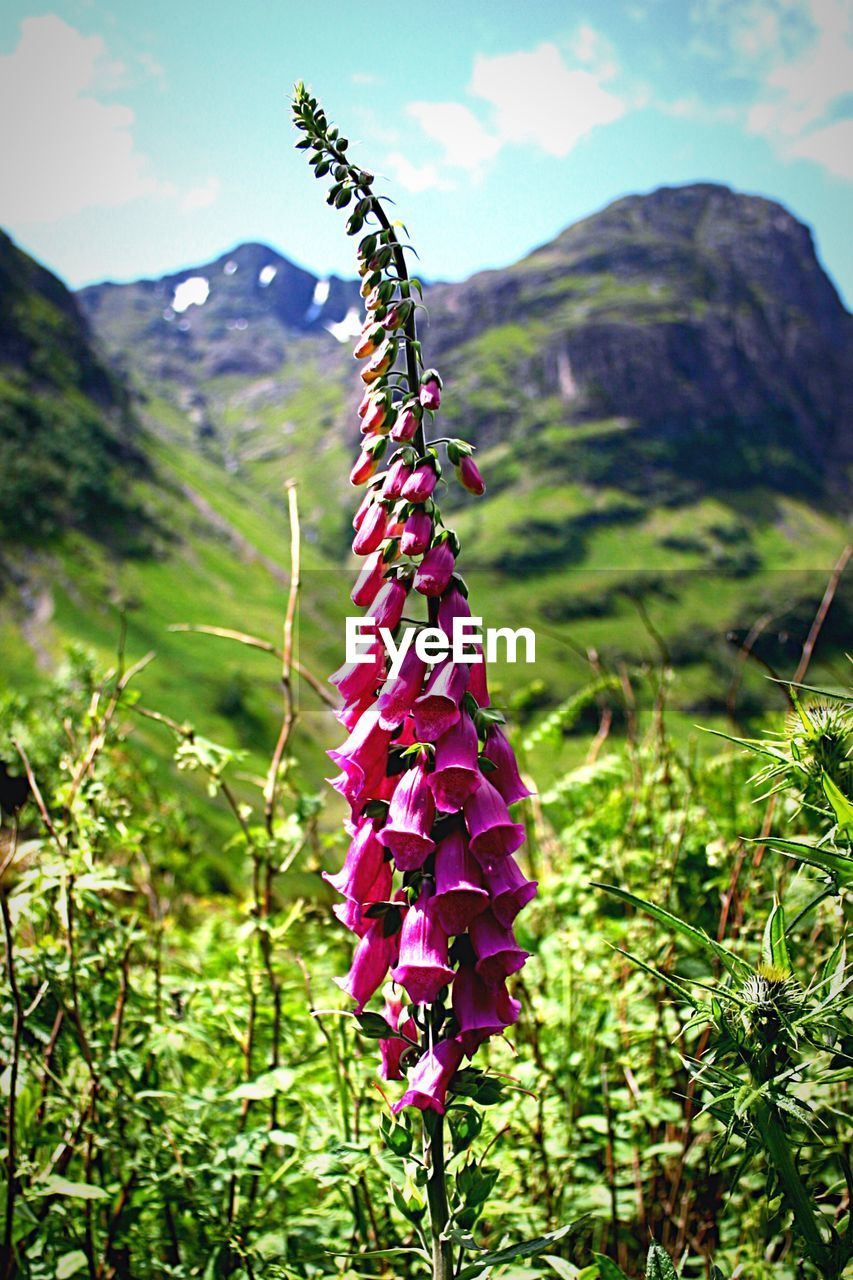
(366, 466)
(410, 819)
(417, 532)
(354, 679)
(352, 911)
(373, 957)
(510, 890)
(435, 570)
(387, 608)
(372, 530)
(437, 709)
(459, 892)
(505, 777)
(364, 861)
(429, 1080)
(422, 968)
(469, 476)
(399, 692)
(420, 484)
(498, 953)
(369, 580)
(407, 423)
(493, 834)
(362, 758)
(395, 477)
(456, 771)
(481, 1010)
(430, 393)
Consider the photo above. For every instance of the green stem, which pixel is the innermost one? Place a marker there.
(439, 1211)
(779, 1152)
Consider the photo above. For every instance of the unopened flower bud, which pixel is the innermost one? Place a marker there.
(469, 476)
(430, 394)
(406, 425)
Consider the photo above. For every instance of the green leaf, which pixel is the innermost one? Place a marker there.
(659, 1265)
(608, 1270)
(69, 1264)
(374, 1026)
(465, 1126)
(530, 1249)
(775, 948)
(265, 1086)
(62, 1187)
(841, 806)
(564, 1269)
(837, 865)
(735, 966)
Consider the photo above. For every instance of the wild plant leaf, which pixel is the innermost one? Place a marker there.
(659, 1265)
(841, 806)
(738, 968)
(775, 948)
(563, 1269)
(608, 1270)
(530, 1249)
(69, 1264)
(675, 984)
(837, 865)
(55, 1186)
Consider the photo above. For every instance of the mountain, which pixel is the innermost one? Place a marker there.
(698, 318)
(660, 399)
(69, 441)
(236, 315)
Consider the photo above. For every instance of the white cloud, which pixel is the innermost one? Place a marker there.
(537, 99)
(799, 56)
(416, 177)
(467, 144)
(202, 196)
(67, 150)
(529, 98)
(830, 147)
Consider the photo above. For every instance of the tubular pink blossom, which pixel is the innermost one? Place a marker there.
(430, 394)
(459, 893)
(430, 1078)
(437, 709)
(371, 531)
(505, 777)
(355, 678)
(363, 508)
(406, 425)
(420, 484)
(410, 818)
(456, 770)
(469, 476)
(498, 953)
(351, 911)
(369, 580)
(422, 968)
(435, 570)
(387, 608)
(364, 860)
(417, 532)
(394, 1047)
(362, 758)
(493, 834)
(373, 957)
(478, 685)
(395, 477)
(510, 890)
(399, 693)
(365, 467)
(481, 1010)
(452, 605)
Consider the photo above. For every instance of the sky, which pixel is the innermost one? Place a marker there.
(145, 138)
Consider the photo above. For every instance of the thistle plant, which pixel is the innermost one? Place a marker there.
(430, 886)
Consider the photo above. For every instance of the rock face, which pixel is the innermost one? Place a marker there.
(697, 313)
(241, 314)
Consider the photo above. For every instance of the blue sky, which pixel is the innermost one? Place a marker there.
(150, 137)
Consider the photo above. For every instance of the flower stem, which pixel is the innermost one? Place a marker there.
(439, 1212)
